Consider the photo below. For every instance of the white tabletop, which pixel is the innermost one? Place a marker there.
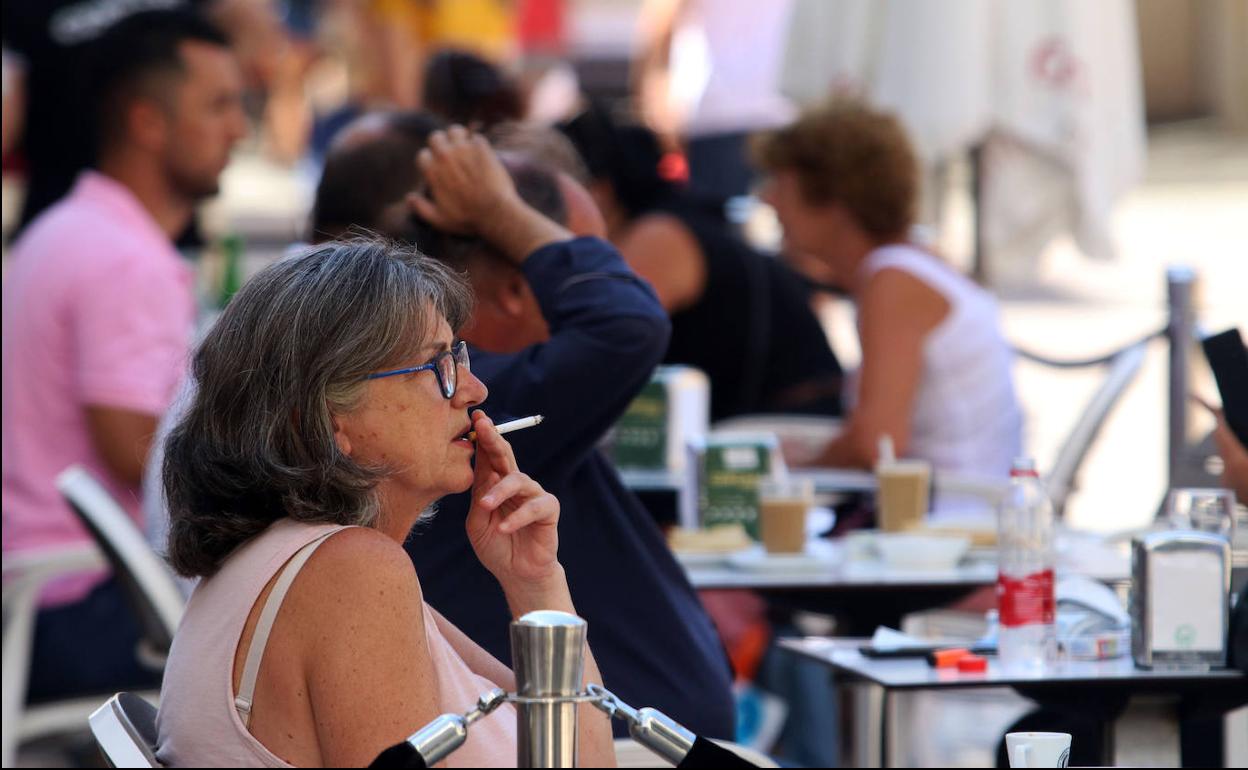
(838, 574)
(914, 673)
(1078, 553)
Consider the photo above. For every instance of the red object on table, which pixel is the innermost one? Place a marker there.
(947, 658)
(972, 663)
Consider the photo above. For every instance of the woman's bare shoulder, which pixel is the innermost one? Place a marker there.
(898, 295)
(664, 252)
(359, 570)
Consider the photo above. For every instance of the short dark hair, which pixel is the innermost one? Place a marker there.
(626, 155)
(136, 58)
(292, 348)
(465, 88)
(361, 179)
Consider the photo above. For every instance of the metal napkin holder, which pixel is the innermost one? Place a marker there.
(1195, 568)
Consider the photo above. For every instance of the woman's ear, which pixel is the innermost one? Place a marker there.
(340, 434)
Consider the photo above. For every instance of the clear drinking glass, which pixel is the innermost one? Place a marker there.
(1205, 510)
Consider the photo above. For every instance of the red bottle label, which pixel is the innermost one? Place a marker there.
(1026, 600)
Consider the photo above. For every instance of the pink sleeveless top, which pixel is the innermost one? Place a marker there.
(199, 724)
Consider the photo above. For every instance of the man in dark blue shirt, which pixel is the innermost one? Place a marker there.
(570, 333)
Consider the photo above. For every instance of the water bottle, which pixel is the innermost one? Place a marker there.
(1025, 603)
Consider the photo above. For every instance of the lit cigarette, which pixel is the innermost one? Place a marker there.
(508, 427)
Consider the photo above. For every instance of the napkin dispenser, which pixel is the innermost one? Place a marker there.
(1180, 584)
(669, 412)
(728, 466)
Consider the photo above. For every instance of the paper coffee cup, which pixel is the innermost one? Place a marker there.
(902, 496)
(1038, 749)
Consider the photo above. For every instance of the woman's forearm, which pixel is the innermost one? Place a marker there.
(594, 727)
(845, 451)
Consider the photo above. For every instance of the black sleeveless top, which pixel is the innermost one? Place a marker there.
(752, 331)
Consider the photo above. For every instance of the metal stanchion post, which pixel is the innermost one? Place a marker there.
(548, 655)
(1179, 280)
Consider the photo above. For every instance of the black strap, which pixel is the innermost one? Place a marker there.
(402, 755)
(708, 754)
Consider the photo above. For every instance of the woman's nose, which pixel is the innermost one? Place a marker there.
(471, 391)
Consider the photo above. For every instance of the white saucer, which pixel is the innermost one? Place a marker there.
(703, 558)
(814, 559)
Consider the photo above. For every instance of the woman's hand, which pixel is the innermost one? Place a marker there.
(1234, 454)
(467, 182)
(513, 522)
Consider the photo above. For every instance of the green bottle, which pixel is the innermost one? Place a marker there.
(232, 267)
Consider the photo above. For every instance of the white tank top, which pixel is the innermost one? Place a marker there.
(966, 417)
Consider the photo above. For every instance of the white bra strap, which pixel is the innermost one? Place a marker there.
(260, 638)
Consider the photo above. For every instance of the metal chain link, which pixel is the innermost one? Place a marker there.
(486, 704)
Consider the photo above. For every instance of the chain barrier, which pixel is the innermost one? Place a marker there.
(652, 729)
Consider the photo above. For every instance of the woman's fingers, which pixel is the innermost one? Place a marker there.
(529, 502)
(542, 508)
(511, 486)
(493, 445)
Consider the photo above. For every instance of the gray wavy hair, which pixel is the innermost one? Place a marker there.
(291, 349)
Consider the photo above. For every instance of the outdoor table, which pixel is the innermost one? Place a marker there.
(868, 594)
(863, 594)
(1141, 708)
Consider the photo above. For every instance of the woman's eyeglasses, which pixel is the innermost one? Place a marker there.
(445, 366)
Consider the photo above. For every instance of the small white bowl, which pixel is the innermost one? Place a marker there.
(903, 550)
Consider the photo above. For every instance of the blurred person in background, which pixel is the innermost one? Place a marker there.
(461, 87)
(569, 332)
(936, 369)
(54, 39)
(743, 318)
(368, 174)
(98, 314)
(331, 412)
(707, 74)
(388, 44)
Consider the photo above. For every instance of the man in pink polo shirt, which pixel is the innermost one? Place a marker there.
(98, 311)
